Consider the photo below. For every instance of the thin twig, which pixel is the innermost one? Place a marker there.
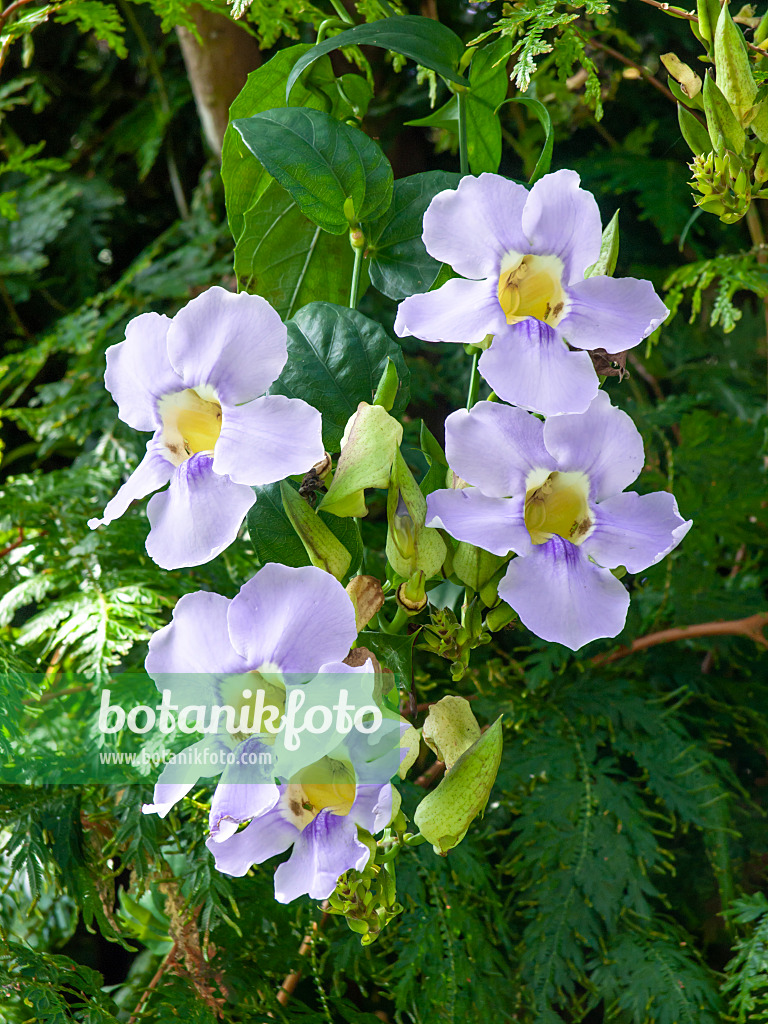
(677, 12)
(644, 73)
(751, 627)
(167, 961)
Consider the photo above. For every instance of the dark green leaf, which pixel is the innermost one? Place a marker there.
(394, 651)
(244, 178)
(487, 88)
(336, 357)
(426, 41)
(446, 116)
(434, 478)
(288, 259)
(323, 163)
(609, 250)
(545, 159)
(399, 263)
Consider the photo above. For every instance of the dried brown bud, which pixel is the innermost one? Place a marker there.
(366, 595)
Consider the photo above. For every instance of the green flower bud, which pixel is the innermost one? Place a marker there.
(761, 167)
(708, 12)
(723, 126)
(411, 596)
(693, 131)
(499, 617)
(325, 550)
(411, 546)
(444, 815)
(368, 448)
(386, 390)
(450, 728)
(734, 74)
(474, 566)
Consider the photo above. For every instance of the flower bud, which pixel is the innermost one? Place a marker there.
(411, 596)
(734, 74)
(450, 728)
(693, 131)
(368, 447)
(411, 546)
(474, 566)
(325, 550)
(723, 126)
(708, 12)
(386, 390)
(499, 617)
(445, 814)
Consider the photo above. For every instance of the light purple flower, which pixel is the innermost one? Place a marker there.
(319, 820)
(554, 494)
(522, 256)
(195, 380)
(284, 622)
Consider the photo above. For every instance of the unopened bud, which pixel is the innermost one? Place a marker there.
(445, 814)
(723, 126)
(325, 550)
(734, 74)
(411, 546)
(411, 595)
(499, 617)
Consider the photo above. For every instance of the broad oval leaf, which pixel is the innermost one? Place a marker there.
(426, 41)
(399, 264)
(244, 177)
(287, 259)
(336, 357)
(322, 162)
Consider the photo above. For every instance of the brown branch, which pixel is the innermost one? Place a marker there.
(14, 544)
(167, 962)
(5, 15)
(677, 12)
(644, 73)
(751, 627)
(292, 980)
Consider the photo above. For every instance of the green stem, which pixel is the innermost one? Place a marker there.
(355, 278)
(474, 382)
(397, 623)
(463, 157)
(342, 12)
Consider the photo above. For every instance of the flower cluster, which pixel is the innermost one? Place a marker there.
(548, 496)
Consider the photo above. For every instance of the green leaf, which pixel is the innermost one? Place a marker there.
(428, 42)
(322, 547)
(609, 250)
(434, 478)
(446, 116)
(336, 357)
(487, 88)
(393, 650)
(399, 264)
(244, 178)
(545, 158)
(275, 539)
(287, 259)
(323, 163)
(723, 127)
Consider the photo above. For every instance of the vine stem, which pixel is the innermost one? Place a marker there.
(463, 156)
(751, 627)
(355, 277)
(474, 382)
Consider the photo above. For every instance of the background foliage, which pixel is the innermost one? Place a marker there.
(620, 871)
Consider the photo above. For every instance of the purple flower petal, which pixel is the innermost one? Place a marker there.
(296, 619)
(495, 524)
(602, 442)
(196, 640)
(531, 367)
(235, 343)
(152, 472)
(197, 517)
(323, 851)
(611, 313)
(563, 220)
(139, 371)
(563, 597)
(246, 790)
(472, 227)
(460, 311)
(265, 837)
(495, 447)
(268, 439)
(181, 773)
(635, 530)
(372, 809)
